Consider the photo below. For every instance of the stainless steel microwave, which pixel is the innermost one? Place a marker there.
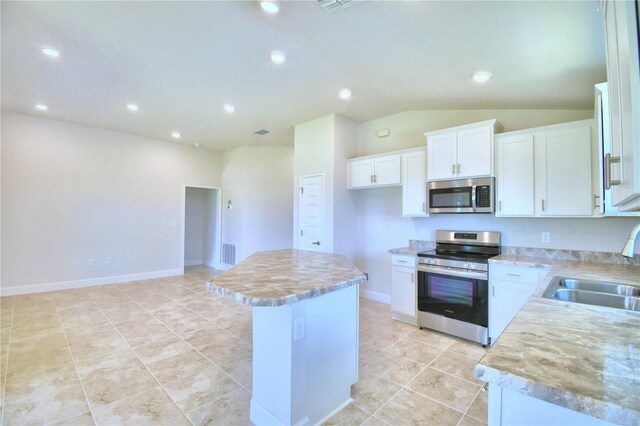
(461, 196)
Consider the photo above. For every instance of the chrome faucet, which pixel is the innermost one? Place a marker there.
(629, 248)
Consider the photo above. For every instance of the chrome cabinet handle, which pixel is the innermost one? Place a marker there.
(402, 261)
(500, 205)
(514, 275)
(316, 243)
(608, 161)
(375, 178)
(493, 290)
(424, 207)
(543, 204)
(371, 179)
(458, 168)
(453, 169)
(595, 204)
(412, 277)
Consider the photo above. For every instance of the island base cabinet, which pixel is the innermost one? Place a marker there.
(305, 359)
(507, 407)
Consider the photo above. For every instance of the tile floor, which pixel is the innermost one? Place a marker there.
(166, 351)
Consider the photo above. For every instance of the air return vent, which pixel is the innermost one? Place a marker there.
(261, 132)
(229, 254)
(336, 5)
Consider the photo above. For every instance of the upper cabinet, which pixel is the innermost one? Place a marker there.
(622, 169)
(414, 183)
(374, 171)
(461, 152)
(545, 171)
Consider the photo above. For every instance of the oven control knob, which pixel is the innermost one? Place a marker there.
(472, 266)
(432, 261)
(465, 265)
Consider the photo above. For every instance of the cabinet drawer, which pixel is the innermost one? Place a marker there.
(514, 273)
(403, 260)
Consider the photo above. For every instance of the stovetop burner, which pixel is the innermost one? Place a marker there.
(464, 246)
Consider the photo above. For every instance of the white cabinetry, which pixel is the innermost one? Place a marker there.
(621, 34)
(414, 186)
(403, 288)
(545, 171)
(461, 152)
(374, 171)
(510, 287)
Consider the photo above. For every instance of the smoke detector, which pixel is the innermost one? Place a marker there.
(336, 5)
(261, 132)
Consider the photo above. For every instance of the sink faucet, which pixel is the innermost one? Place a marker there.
(629, 248)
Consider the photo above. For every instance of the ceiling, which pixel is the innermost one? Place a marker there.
(181, 61)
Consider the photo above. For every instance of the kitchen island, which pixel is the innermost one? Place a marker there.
(566, 363)
(305, 332)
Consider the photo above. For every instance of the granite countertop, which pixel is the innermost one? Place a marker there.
(585, 358)
(414, 247)
(280, 277)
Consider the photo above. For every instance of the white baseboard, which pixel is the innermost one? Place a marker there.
(374, 295)
(196, 262)
(65, 285)
(225, 266)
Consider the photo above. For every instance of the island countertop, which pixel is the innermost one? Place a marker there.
(585, 358)
(280, 277)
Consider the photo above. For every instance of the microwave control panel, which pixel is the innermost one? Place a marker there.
(483, 196)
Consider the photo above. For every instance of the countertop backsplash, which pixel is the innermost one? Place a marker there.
(583, 256)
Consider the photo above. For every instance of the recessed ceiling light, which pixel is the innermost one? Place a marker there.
(50, 51)
(132, 107)
(482, 76)
(270, 6)
(41, 107)
(229, 108)
(277, 57)
(344, 93)
(197, 145)
(176, 135)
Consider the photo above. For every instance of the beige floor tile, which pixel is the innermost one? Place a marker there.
(470, 421)
(165, 347)
(153, 301)
(179, 366)
(96, 369)
(409, 408)
(85, 419)
(139, 333)
(391, 367)
(392, 326)
(469, 349)
(119, 385)
(445, 388)
(240, 369)
(230, 410)
(180, 319)
(415, 350)
(151, 407)
(85, 320)
(433, 338)
(99, 343)
(349, 415)
(225, 347)
(21, 384)
(205, 386)
(480, 406)
(38, 354)
(372, 392)
(372, 339)
(62, 403)
(375, 421)
(53, 332)
(456, 364)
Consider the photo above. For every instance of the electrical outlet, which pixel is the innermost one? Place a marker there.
(90, 261)
(298, 329)
(546, 237)
(109, 260)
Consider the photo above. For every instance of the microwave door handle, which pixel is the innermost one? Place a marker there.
(473, 197)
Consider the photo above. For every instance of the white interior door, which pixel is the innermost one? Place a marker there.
(310, 212)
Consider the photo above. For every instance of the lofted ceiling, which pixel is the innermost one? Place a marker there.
(181, 61)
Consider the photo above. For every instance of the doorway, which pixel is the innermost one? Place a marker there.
(201, 227)
(310, 218)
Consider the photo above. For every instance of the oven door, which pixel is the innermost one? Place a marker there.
(457, 294)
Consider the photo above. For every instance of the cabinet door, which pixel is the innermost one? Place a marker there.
(387, 170)
(563, 172)
(515, 176)
(361, 173)
(475, 152)
(505, 301)
(441, 156)
(414, 184)
(403, 290)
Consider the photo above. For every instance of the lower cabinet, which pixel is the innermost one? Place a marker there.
(403, 288)
(509, 288)
(507, 407)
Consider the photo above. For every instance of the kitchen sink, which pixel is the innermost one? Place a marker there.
(598, 293)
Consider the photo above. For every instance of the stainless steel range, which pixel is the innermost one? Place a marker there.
(453, 295)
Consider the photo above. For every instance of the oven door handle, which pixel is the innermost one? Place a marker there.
(453, 272)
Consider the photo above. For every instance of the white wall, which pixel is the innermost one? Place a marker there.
(73, 192)
(200, 226)
(258, 182)
(381, 209)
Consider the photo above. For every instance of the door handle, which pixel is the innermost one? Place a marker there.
(316, 243)
(458, 168)
(608, 161)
